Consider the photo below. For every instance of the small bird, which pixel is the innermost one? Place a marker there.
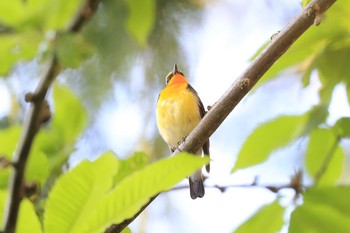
(179, 110)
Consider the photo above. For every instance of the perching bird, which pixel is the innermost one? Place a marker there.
(179, 111)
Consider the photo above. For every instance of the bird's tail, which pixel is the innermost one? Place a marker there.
(196, 185)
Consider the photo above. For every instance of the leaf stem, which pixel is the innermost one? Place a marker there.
(326, 161)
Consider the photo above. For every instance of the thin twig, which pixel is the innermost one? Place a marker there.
(32, 125)
(30, 128)
(120, 226)
(223, 188)
(296, 183)
(244, 83)
(327, 159)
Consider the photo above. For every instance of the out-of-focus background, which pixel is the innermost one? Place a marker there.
(212, 42)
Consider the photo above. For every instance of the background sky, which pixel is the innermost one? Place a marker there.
(214, 52)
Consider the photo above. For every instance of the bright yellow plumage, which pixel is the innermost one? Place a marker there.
(179, 111)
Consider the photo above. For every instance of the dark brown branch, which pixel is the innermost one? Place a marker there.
(278, 46)
(30, 128)
(87, 11)
(244, 83)
(32, 124)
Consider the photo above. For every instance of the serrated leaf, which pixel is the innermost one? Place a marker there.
(136, 162)
(141, 19)
(136, 190)
(324, 210)
(262, 220)
(76, 194)
(269, 137)
(322, 145)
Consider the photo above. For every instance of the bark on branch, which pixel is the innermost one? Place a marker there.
(32, 124)
(244, 83)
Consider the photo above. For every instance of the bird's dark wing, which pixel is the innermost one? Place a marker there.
(202, 112)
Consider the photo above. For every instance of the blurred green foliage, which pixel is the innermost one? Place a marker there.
(103, 54)
(258, 221)
(93, 195)
(324, 210)
(94, 204)
(325, 51)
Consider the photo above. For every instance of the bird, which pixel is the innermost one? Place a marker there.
(179, 110)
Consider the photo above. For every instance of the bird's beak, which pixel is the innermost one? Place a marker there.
(175, 69)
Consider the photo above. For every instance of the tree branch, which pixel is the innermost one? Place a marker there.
(30, 128)
(296, 183)
(244, 83)
(32, 124)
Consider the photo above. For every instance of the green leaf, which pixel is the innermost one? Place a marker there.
(323, 144)
(39, 14)
(28, 221)
(76, 194)
(8, 140)
(324, 210)
(17, 47)
(57, 140)
(38, 167)
(3, 197)
(342, 127)
(22, 15)
(60, 13)
(262, 220)
(332, 64)
(126, 230)
(269, 137)
(69, 115)
(141, 19)
(305, 2)
(304, 54)
(72, 50)
(136, 190)
(136, 162)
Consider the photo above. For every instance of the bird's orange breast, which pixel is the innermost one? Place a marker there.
(177, 112)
